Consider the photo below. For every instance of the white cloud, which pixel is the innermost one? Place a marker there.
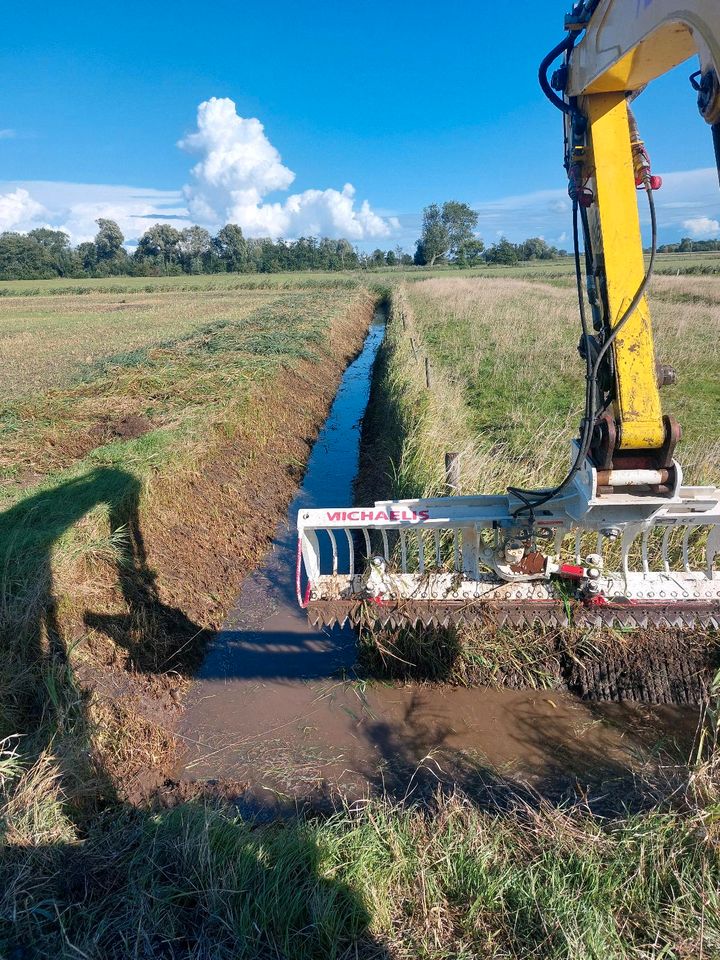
(702, 227)
(7, 134)
(19, 211)
(74, 207)
(239, 167)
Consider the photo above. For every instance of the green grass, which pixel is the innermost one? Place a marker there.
(507, 374)
(453, 881)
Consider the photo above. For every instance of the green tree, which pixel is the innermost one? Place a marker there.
(159, 244)
(109, 241)
(460, 221)
(434, 242)
(502, 252)
(232, 248)
(56, 241)
(194, 246)
(391, 258)
(87, 255)
(469, 254)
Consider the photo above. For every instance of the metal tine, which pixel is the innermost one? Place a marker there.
(436, 538)
(421, 553)
(599, 544)
(559, 537)
(403, 551)
(712, 549)
(368, 548)
(628, 538)
(665, 539)
(333, 543)
(351, 553)
(685, 545)
(577, 547)
(456, 550)
(386, 545)
(644, 548)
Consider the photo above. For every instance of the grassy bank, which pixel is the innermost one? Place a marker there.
(515, 879)
(145, 465)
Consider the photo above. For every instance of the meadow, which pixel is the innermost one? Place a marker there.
(147, 452)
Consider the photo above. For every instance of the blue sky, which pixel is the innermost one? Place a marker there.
(408, 102)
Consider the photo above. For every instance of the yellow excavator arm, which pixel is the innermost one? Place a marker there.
(625, 45)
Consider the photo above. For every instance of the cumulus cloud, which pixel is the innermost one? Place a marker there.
(239, 167)
(19, 210)
(702, 228)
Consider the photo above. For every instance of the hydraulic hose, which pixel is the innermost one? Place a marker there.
(535, 498)
(566, 43)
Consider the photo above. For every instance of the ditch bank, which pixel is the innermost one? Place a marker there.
(99, 658)
(282, 714)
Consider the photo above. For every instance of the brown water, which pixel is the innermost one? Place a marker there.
(277, 709)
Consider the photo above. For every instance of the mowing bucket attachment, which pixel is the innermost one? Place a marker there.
(588, 557)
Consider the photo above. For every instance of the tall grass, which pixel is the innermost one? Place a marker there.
(518, 880)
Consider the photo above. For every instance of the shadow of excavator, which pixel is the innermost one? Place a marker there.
(42, 702)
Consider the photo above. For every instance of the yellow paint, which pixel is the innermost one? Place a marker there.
(628, 43)
(616, 228)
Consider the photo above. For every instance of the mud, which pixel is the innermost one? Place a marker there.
(278, 715)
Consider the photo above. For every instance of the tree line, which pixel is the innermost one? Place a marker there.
(163, 250)
(448, 235)
(686, 245)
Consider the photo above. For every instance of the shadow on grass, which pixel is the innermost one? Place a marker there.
(84, 874)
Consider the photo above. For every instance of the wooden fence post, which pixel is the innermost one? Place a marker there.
(452, 472)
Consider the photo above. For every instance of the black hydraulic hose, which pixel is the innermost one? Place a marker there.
(535, 498)
(565, 44)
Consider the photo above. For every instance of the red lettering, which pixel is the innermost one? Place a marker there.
(394, 515)
(424, 515)
(353, 515)
(366, 514)
(335, 516)
(381, 515)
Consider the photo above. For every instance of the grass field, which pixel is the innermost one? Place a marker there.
(503, 353)
(145, 462)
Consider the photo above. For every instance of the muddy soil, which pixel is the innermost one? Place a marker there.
(278, 715)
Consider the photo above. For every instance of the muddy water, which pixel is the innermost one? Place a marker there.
(276, 706)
